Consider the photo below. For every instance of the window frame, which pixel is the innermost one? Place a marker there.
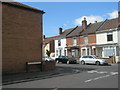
(109, 36)
(59, 42)
(74, 41)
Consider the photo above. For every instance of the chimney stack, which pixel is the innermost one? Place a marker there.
(95, 21)
(84, 24)
(43, 36)
(119, 19)
(60, 30)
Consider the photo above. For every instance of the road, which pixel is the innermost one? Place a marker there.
(80, 76)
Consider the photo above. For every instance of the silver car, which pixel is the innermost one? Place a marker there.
(92, 60)
(46, 58)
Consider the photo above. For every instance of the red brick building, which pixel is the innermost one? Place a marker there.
(21, 36)
(82, 41)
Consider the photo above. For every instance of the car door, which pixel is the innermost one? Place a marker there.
(87, 60)
(84, 58)
(60, 59)
(64, 59)
(91, 60)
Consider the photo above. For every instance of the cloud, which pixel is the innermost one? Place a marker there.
(65, 25)
(90, 19)
(113, 14)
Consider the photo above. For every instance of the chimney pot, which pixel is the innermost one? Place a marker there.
(44, 36)
(60, 30)
(84, 23)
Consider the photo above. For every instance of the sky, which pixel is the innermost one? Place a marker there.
(70, 14)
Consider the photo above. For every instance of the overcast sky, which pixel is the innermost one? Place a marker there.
(70, 14)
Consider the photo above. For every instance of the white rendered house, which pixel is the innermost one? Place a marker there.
(107, 39)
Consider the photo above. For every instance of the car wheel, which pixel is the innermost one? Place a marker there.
(97, 63)
(83, 62)
(68, 62)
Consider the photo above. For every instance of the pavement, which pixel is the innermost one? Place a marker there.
(28, 76)
(38, 75)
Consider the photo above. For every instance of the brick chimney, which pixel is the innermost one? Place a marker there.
(60, 30)
(84, 24)
(119, 19)
(44, 36)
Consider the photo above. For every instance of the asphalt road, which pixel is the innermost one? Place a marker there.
(79, 76)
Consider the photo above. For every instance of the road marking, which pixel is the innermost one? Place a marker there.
(89, 80)
(102, 72)
(111, 73)
(94, 71)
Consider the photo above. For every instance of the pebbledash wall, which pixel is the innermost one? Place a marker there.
(21, 36)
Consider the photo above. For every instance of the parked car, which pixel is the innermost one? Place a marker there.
(46, 58)
(65, 59)
(92, 60)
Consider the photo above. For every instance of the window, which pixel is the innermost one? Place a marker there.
(85, 40)
(74, 41)
(109, 51)
(83, 51)
(60, 52)
(94, 51)
(59, 42)
(74, 53)
(56, 52)
(110, 36)
(84, 57)
(64, 52)
(88, 51)
(90, 57)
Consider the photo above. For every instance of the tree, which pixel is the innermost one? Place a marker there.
(48, 53)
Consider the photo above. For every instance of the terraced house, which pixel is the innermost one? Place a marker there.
(99, 38)
(60, 42)
(107, 39)
(83, 40)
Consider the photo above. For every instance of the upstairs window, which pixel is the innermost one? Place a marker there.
(110, 36)
(85, 40)
(74, 41)
(59, 42)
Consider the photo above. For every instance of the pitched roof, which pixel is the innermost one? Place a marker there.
(92, 28)
(66, 32)
(48, 39)
(75, 32)
(17, 4)
(109, 24)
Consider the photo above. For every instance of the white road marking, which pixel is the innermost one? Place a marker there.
(97, 78)
(88, 80)
(111, 73)
(94, 71)
(102, 72)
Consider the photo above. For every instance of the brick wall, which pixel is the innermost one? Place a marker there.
(69, 41)
(81, 40)
(49, 65)
(22, 37)
(92, 38)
